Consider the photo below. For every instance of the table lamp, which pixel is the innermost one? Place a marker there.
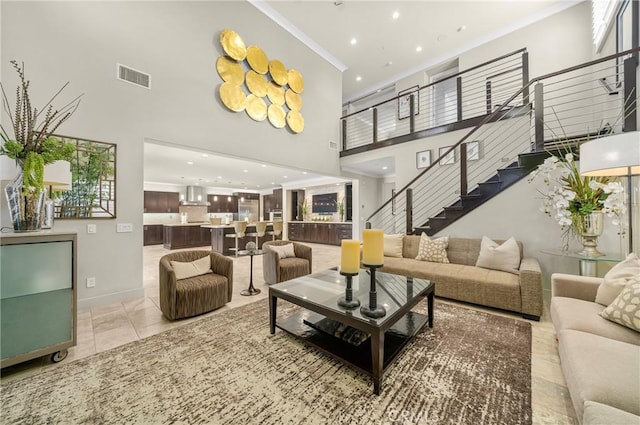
(615, 155)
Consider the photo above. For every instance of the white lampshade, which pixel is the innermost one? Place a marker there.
(58, 175)
(616, 155)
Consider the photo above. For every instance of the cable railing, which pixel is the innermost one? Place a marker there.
(568, 106)
(453, 100)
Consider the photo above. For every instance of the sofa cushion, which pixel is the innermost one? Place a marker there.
(410, 244)
(393, 245)
(625, 309)
(292, 267)
(505, 257)
(601, 414)
(600, 369)
(580, 315)
(617, 278)
(283, 251)
(193, 268)
(434, 250)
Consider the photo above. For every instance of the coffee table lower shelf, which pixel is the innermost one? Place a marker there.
(359, 357)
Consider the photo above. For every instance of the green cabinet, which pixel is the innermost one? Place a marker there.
(37, 296)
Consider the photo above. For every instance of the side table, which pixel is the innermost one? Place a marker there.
(587, 264)
(250, 290)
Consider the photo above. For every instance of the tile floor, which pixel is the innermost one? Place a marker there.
(113, 325)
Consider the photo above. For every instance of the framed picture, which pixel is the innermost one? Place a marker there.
(404, 97)
(473, 151)
(423, 159)
(450, 158)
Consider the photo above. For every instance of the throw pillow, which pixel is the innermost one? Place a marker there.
(393, 245)
(283, 251)
(434, 250)
(625, 309)
(191, 269)
(617, 278)
(505, 257)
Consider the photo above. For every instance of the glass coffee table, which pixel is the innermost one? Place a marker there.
(370, 345)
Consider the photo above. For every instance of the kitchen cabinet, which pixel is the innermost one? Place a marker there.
(222, 204)
(321, 232)
(248, 196)
(187, 236)
(37, 303)
(272, 202)
(153, 234)
(161, 202)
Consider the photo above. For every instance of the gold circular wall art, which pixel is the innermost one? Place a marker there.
(257, 60)
(233, 97)
(293, 100)
(295, 121)
(256, 83)
(276, 115)
(275, 93)
(230, 70)
(233, 45)
(256, 108)
(278, 72)
(296, 82)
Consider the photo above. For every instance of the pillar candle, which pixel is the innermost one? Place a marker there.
(372, 247)
(350, 258)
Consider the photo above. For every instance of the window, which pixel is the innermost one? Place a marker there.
(602, 12)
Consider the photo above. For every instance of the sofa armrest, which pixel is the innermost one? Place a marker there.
(531, 288)
(303, 251)
(224, 267)
(167, 278)
(270, 265)
(572, 286)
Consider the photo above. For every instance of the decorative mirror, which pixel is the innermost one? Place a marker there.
(93, 175)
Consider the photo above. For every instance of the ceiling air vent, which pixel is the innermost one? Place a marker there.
(134, 76)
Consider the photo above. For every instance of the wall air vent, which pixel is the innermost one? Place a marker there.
(134, 76)
(333, 145)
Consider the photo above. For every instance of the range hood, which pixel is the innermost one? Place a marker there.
(196, 196)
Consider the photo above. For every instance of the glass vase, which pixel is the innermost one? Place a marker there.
(25, 209)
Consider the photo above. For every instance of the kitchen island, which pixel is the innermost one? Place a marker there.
(190, 235)
(222, 244)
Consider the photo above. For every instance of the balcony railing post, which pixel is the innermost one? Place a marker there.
(375, 125)
(409, 212)
(344, 134)
(459, 97)
(412, 118)
(630, 94)
(525, 78)
(463, 169)
(538, 107)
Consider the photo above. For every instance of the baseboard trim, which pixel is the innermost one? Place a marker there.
(86, 304)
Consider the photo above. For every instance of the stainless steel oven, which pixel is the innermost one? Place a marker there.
(275, 215)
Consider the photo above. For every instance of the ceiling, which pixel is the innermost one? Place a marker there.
(384, 52)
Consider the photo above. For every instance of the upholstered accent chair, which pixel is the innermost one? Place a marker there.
(180, 298)
(276, 269)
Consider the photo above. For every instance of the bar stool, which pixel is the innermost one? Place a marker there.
(240, 227)
(261, 230)
(277, 230)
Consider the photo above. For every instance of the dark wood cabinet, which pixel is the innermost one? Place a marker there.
(153, 234)
(266, 200)
(324, 233)
(176, 237)
(222, 204)
(161, 202)
(276, 200)
(247, 196)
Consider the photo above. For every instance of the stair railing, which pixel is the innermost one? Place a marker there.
(564, 105)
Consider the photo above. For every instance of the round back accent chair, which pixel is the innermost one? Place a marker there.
(276, 269)
(180, 298)
(261, 230)
(240, 227)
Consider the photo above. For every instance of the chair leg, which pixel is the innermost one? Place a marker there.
(236, 246)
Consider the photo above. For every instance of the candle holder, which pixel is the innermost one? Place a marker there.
(373, 310)
(347, 302)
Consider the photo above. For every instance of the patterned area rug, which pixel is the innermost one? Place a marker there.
(471, 368)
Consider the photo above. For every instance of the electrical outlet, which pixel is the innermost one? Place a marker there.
(91, 282)
(91, 229)
(124, 228)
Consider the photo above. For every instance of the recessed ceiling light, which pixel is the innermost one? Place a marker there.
(264, 165)
(304, 172)
(461, 28)
(190, 162)
(337, 184)
(395, 15)
(204, 155)
(286, 177)
(273, 182)
(358, 78)
(354, 41)
(245, 171)
(442, 37)
(418, 48)
(258, 185)
(388, 63)
(220, 177)
(385, 167)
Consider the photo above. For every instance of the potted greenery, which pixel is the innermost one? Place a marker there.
(304, 209)
(340, 206)
(32, 147)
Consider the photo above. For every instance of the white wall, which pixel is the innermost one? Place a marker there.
(177, 43)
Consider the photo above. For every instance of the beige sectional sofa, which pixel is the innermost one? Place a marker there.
(600, 359)
(461, 280)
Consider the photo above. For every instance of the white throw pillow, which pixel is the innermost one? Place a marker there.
(283, 251)
(191, 269)
(505, 257)
(617, 278)
(393, 245)
(625, 308)
(434, 250)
